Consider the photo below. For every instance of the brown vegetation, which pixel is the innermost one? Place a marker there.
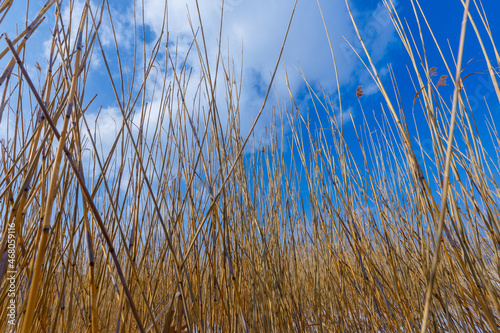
(179, 229)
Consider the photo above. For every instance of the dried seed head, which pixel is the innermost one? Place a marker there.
(359, 92)
(442, 81)
(432, 71)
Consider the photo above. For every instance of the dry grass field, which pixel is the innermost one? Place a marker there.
(190, 226)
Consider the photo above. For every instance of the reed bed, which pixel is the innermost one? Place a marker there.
(188, 224)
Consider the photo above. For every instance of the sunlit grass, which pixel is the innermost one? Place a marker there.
(187, 224)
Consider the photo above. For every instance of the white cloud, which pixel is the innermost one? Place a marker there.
(257, 26)
(260, 26)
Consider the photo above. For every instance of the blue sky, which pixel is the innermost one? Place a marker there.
(258, 27)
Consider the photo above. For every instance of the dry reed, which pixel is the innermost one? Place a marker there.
(187, 224)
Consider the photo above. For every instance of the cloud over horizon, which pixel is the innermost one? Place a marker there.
(254, 31)
(252, 35)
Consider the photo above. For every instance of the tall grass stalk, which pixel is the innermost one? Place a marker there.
(179, 222)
